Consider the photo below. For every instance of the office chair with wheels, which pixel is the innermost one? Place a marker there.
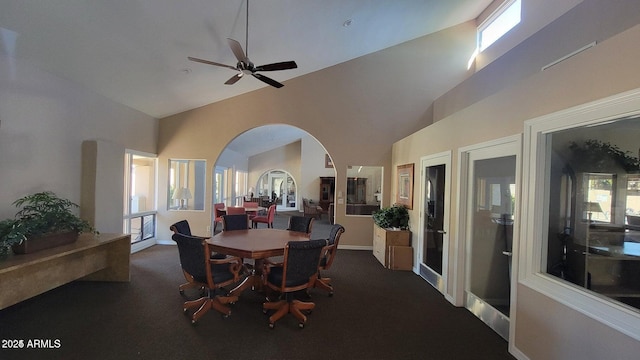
(300, 224)
(327, 257)
(298, 272)
(214, 273)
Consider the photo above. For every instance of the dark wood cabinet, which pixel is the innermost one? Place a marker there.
(327, 191)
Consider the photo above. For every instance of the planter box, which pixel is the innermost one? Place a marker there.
(384, 238)
(45, 242)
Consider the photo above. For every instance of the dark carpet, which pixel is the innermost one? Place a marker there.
(374, 314)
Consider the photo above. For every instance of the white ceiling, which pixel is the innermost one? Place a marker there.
(135, 52)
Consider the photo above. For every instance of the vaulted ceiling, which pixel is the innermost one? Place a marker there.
(135, 52)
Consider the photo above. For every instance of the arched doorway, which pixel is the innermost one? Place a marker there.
(280, 187)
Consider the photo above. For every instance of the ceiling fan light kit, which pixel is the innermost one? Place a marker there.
(245, 66)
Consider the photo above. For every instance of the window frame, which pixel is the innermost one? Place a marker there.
(491, 19)
(532, 267)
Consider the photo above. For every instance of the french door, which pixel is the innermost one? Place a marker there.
(434, 220)
(489, 204)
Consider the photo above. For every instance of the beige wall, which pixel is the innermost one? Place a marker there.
(43, 122)
(356, 110)
(545, 329)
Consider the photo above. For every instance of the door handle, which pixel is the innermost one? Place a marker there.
(441, 232)
(508, 253)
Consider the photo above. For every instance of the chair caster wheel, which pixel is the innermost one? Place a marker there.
(225, 316)
(181, 292)
(193, 322)
(265, 311)
(331, 294)
(301, 325)
(271, 325)
(184, 311)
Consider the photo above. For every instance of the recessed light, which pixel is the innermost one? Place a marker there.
(347, 23)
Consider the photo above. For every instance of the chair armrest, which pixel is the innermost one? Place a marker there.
(235, 264)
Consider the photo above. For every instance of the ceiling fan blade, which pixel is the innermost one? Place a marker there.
(268, 80)
(237, 50)
(234, 79)
(211, 63)
(285, 65)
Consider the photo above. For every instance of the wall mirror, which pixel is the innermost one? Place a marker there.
(186, 184)
(364, 189)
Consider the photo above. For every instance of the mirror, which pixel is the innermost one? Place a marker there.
(186, 184)
(364, 186)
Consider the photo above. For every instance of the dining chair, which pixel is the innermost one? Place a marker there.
(235, 210)
(235, 222)
(214, 273)
(250, 205)
(298, 272)
(327, 257)
(217, 215)
(182, 227)
(300, 224)
(265, 219)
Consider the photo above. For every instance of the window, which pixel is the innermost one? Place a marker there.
(505, 18)
(582, 241)
(364, 185)
(186, 184)
(139, 215)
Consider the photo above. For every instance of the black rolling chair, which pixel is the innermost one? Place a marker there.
(300, 224)
(235, 222)
(298, 272)
(213, 273)
(182, 227)
(328, 255)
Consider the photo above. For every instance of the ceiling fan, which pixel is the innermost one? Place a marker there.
(245, 66)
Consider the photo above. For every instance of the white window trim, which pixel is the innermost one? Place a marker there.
(531, 273)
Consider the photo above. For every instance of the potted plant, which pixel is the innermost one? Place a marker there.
(396, 217)
(44, 221)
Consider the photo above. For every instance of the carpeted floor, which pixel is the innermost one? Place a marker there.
(374, 314)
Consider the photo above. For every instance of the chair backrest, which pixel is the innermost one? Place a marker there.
(235, 210)
(271, 213)
(250, 204)
(332, 248)
(192, 258)
(235, 222)
(301, 260)
(216, 209)
(300, 224)
(181, 227)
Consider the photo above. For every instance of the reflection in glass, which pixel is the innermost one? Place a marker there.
(434, 209)
(492, 230)
(364, 185)
(593, 174)
(186, 184)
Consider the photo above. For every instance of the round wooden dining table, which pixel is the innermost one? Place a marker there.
(257, 244)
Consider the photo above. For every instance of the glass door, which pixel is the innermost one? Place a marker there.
(278, 187)
(490, 215)
(435, 184)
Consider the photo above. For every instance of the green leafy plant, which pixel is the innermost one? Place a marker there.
(603, 156)
(396, 216)
(41, 213)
